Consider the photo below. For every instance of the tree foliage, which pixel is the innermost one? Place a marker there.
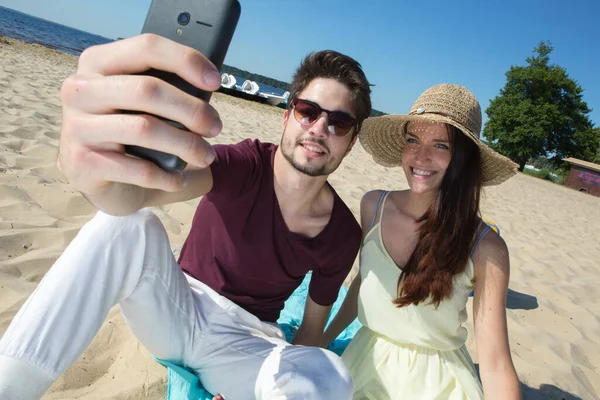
(541, 112)
(597, 157)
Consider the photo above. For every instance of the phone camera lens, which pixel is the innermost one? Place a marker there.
(183, 18)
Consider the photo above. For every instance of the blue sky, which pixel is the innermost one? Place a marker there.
(404, 46)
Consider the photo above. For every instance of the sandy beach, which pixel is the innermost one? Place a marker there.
(553, 234)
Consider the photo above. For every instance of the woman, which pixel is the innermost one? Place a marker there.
(424, 249)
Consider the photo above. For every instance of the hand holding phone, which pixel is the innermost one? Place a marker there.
(94, 129)
(111, 102)
(204, 25)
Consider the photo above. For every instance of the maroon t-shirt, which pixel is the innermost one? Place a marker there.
(240, 246)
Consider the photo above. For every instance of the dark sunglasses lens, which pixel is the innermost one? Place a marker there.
(342, 122)
(306, 113)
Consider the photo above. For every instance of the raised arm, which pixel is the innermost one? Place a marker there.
(94, 130)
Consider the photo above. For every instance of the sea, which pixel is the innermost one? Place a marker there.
(69, 40)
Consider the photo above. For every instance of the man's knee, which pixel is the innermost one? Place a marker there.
(118, 245)
(141, 220)
(141, 225)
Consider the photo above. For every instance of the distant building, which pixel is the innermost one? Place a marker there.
(584, 176)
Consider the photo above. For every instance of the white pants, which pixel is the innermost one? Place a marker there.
(128, 261)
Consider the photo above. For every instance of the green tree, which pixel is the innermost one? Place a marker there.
(541, 112)
(597, 158)
(589, 143)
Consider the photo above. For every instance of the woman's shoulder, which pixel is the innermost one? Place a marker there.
(369, 201)
(492, 242)
(367, 205)
(492, 248)
(371, 197)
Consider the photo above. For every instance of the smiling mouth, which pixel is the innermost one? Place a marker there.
(313, 148)
(421, 173)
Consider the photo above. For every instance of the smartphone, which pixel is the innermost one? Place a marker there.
(204, 25)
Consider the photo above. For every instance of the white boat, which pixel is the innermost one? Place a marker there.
(250, 90)
(274, 99)
(250, 87)
(228, 81)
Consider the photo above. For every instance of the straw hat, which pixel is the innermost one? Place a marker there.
(383, 137)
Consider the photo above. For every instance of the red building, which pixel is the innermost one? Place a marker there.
(584, 176)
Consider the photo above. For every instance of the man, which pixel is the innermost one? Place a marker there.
(266, 218)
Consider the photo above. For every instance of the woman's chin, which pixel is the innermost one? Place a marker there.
(421, 188)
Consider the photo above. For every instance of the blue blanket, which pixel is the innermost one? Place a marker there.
(184, 385)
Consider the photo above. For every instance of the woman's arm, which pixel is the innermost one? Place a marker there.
(492, 272)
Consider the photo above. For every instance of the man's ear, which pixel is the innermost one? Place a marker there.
(286, 116)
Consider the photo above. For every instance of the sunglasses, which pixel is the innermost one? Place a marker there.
(307, 113)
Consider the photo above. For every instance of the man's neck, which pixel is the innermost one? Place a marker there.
(297, 193)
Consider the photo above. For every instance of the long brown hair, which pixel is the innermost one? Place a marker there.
(447, 230)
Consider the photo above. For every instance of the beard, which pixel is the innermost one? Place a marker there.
(313, 167)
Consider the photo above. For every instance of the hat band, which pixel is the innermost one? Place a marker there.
(421, 111)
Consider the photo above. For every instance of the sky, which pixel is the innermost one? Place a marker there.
(404, 46)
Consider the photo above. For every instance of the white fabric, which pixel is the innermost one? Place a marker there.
(128, 261)
(21, 380)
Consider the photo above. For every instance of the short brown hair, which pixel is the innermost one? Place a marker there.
(334, 65)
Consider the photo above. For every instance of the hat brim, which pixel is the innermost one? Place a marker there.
(383, 138)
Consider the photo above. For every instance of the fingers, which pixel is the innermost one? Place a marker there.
(105, 107)
(144, 94)
(100, 131)
(117, 167)
(146, 51)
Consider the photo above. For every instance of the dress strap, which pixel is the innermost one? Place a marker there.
(378, 209)
(482, 232)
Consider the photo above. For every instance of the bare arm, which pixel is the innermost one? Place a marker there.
(492, 272)
(200, 182)
(315, 317)
(125, 199)
(349, 309)
(94, 130)
(345, 315)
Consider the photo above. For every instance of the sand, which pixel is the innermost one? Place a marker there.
(552, 233)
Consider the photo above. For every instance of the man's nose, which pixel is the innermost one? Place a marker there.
(321, 126)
